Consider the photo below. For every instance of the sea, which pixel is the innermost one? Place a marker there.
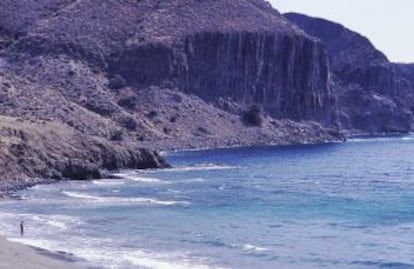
(341, 205)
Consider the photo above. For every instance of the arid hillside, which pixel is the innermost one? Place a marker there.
(100, 80)
(375, 96)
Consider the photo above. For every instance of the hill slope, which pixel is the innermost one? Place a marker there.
(240, 50)
(160, 74)
(375, 95)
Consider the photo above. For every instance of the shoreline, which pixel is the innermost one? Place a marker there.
(19, 255)
(38, 258)
(9, 187)
(252, 146)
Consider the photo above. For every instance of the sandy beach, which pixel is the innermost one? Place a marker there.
(18, 256)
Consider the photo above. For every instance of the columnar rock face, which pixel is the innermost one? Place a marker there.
(287, 74)
(244, 50)
(113, 76)
(375, 96)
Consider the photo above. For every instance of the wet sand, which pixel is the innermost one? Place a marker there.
(19, 256)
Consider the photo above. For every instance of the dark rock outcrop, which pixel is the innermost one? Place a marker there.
(374, 95)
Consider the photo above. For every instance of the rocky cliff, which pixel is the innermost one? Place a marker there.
(166, 74)
(243, 51)
(375, 95)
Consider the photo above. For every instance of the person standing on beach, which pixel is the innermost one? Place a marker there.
(21, 228)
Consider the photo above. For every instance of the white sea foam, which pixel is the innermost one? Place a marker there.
(81, 195)
(58, 224)
(201, 167)
(40, 243)
(57, 221)
(138, 258)
(143, 179)
(145, 260)
(155, 201)
(379, 139)
(121, 200)
(249, 247)
(190, 180)
(118, 258)
(103, 256)
(138, 178)
(108, 182)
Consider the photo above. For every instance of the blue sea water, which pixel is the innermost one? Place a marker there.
(347, 205)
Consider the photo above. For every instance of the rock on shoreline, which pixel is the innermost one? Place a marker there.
(37, 152)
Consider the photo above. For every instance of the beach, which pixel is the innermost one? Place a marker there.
(339, 205)
(15, 255)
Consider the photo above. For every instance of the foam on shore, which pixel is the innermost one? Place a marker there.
(121, 200)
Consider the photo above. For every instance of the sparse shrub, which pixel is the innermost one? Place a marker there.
(117, 135)
(166, 130)
(117, 82)
(152, 114)
(128, 123)
(128, 102)
(253, 116)
(203, 130)
(71, 73)
(70, 123)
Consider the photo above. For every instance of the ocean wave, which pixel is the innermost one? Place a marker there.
(383, 264)
(249, 247)
(58, 224)
(146, 260)
(380, 139)
(81, 195)
(57, 221)
(120, 258)
(138, 258)
(108, 182)
(190, 180)
(122, 200)
(138, 178)
(200, 167)
(218, 243)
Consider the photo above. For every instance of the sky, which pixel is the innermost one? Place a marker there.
(389, 24)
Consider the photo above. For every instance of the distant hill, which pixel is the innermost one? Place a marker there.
(375, 95)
